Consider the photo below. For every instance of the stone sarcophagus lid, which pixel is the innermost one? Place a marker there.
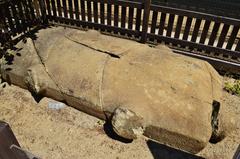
(143, 90)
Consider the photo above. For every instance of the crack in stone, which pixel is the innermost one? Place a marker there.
(40, 59)
(212, 79)
(63, 95)
(99, 50)
(103, 68)
(101, 83)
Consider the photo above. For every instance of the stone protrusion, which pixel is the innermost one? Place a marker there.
(127, 124)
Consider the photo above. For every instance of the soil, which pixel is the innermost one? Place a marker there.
(68, 133)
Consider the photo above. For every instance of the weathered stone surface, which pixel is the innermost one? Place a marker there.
(77, 71)
(101, 75)
(177, 98)
(105, 44)
(127, 124)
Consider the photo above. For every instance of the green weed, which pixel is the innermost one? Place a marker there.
(233, 87)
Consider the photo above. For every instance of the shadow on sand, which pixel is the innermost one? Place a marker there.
(160, 151)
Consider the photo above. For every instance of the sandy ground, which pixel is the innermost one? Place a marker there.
(69, 133)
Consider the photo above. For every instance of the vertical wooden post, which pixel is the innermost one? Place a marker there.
(2, 24)
(5, 35)
(147, 4)
(43, 11)
(37, 8)
(7, 139)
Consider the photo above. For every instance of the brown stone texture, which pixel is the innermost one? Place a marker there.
(97, 74)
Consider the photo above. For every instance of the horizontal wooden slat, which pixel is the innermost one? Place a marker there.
(195, 45)
(197, 15)
(218, 64)
(123, 3)
(97, 26)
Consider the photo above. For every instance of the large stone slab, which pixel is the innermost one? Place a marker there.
(145, 90)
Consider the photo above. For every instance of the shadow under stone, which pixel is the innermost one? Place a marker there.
(160, 151)
(110, 133)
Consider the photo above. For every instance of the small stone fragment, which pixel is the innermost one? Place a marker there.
(127, 124)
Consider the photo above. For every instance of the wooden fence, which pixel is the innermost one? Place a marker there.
(228, 8)
(18, 15)
(183, 29)
(186, 30)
